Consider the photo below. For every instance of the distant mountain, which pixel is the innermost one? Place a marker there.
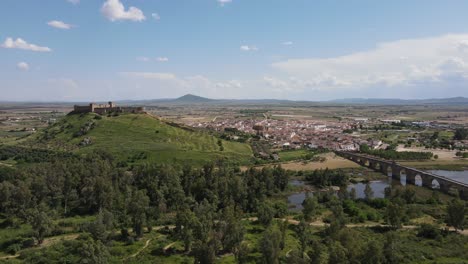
(195, 99)
(190, 98)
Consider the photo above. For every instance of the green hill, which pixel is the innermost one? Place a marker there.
(138, 138)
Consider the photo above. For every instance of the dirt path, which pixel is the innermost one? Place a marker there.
(47, 243)
(54, 240)
(323, 224)
(168, 246)
(9, 257)
(141, 249)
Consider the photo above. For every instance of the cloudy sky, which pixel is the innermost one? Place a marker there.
(87, 50)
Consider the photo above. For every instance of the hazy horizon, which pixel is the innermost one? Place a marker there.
(79, 51)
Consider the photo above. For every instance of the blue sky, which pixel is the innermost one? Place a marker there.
(64, 50)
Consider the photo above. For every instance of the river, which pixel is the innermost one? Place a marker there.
(378, 187)
(461, 176)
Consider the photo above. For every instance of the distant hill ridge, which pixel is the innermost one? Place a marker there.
(190, 98)
(195, 99)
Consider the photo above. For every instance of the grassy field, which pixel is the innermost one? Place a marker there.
(160, 246)
(332, 161)
(134, 137)
(288, 155)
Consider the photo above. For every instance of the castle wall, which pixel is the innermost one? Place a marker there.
(103, 109)
(82, 109)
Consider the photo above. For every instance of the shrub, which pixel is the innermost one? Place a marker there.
(28, 242)
(13, 249)
(429, 231)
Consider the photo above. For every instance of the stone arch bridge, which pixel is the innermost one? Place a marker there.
(445, 184)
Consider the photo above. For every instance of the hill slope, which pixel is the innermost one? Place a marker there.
(139, 138)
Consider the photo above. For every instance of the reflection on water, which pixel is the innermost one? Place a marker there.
(296, 183)
(378, 187)
(295, 200)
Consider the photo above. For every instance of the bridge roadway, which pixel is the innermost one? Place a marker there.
(446, 185)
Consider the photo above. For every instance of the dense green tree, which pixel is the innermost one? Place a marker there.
(281, 178)
(460, 134)
(304, 235)
(390, 249)
(456, 214)
(283, 227)
(270, 245)
(232, 230)
(318, 253)
(205, 252)
(409, 195)
(265, 213)
(309, 205)
(98, 229)
(41, 223)
(186, 222)
(92, 251)
(351, 240)
(337, 253)
(373, 253)
(368, 192)
(338, 219)
(204, 213)
(137, 209)
(241, 253)
(394, 215)
(323, 178)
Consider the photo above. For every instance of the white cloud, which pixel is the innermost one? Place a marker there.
(248, 48)
(408, 63)
(287, 43)
(224, 2)
(229, 84)
(162, 59)
(114, 10)
(155, 16)
(23, 66)
(59, 24)
(144, 59)
(22, 44)
(151, 75)
(75, 2)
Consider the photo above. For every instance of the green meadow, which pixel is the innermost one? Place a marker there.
(135, 138)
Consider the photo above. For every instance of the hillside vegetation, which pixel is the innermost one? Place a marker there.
(139, 137)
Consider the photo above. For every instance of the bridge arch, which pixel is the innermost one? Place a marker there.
(366, 163)
(435, 184)
(413, 176)
(403, 175)
(418, 180)
(378, 166)
(388, 171)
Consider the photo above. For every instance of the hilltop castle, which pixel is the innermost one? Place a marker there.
(102, 109)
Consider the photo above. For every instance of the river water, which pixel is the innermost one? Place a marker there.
(378, 187)
(461, 176)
